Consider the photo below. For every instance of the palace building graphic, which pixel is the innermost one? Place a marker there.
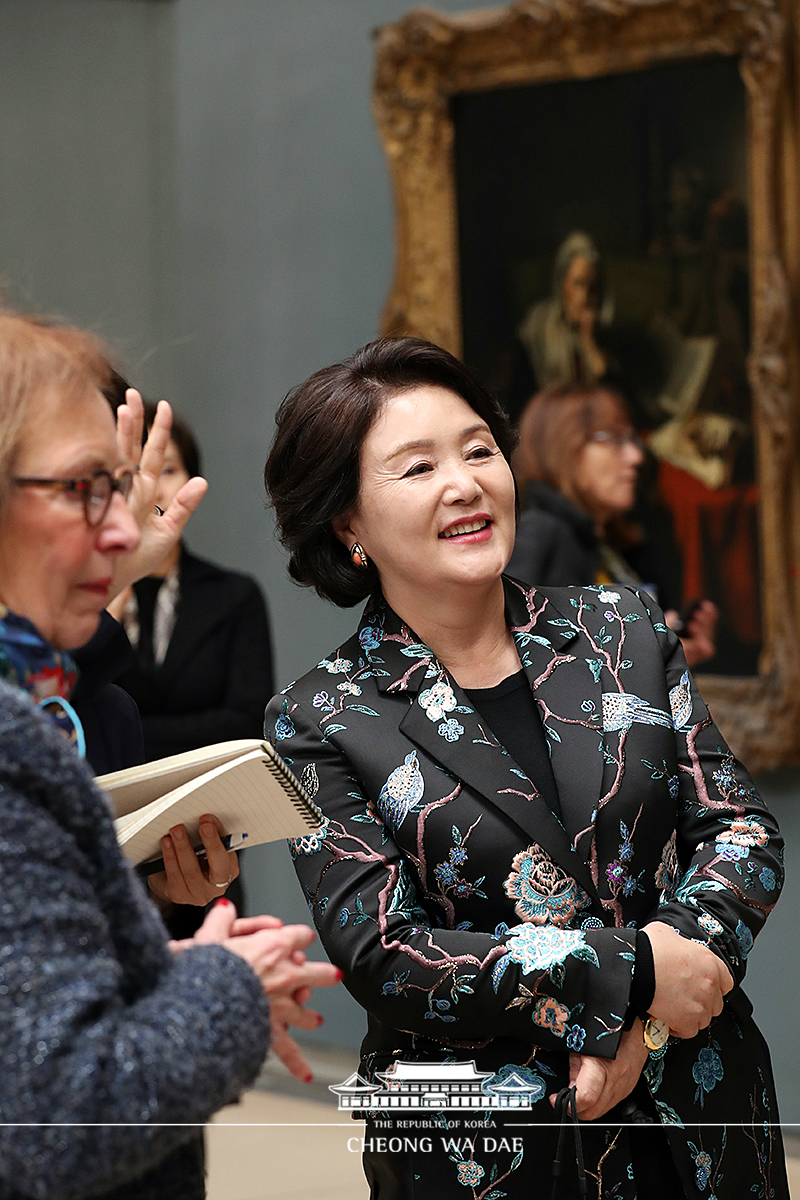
(415, 1085)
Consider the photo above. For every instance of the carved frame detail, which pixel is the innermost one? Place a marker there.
(428, 57)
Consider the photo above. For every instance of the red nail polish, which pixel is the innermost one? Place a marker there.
(309, 1078)
(222, 900)
(320, 1019)
(339, 975)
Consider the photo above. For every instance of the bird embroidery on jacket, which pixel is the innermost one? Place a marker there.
(680, 701)
(622, 709)
(402, 791)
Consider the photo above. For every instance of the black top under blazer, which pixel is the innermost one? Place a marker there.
(471, 924)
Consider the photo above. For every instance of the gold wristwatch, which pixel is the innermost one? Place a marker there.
(655, 1032)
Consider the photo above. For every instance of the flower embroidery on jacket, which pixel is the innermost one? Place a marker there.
(549, 1014)
(337, 666)
(544, 893)
(707, 1072)
(450, 729)
(470, 1173)
(310, 843)
(437, 700)
(537, 948)
(744, 832)
(370, 638)
(284, 725)
(710, 924)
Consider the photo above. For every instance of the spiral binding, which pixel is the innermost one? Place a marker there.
(294, 789)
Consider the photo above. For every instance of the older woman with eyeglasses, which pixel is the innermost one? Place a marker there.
(115, 1045)
(577, 465)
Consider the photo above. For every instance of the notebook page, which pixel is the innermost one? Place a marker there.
(135, 787)
(247, 795)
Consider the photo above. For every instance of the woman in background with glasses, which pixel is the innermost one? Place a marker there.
(576, 466)
(116, 1045)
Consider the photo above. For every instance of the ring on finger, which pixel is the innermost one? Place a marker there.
(222, 885)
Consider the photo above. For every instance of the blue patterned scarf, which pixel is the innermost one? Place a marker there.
(29, 662)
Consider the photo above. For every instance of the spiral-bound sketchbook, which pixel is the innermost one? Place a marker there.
(245, 783)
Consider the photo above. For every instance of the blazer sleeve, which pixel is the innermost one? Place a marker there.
(129, 1066)
(247, 668)
(452, 985)
(723, 873)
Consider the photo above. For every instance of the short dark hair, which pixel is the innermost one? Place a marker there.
(312, 474)
(182, 436)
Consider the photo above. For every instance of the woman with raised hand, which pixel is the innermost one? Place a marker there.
(537, 857)
(114, 1048)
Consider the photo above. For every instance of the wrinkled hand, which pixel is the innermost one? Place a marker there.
(601, 1083)
(159, 534)
(691, 981)
(698, 639)
(187, 879)
(275, 952)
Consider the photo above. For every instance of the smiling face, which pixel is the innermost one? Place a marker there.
(55, 569)
(436, 503)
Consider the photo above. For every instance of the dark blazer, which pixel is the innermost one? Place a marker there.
(470, 923)
(112, 1048)
(556, 545)
(108, 714)
(217, 673)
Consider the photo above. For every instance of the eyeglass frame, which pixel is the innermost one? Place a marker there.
(616, 438)
(121, 483)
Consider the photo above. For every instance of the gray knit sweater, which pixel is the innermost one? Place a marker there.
(111, 1048)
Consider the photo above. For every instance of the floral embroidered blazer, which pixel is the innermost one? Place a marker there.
(466, 919)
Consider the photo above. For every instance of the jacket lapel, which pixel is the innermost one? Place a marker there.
(440, 720)
(566, 685)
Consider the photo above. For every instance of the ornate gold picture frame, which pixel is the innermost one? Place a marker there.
(427, 61)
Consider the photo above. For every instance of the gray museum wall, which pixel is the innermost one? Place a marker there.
(200, 181)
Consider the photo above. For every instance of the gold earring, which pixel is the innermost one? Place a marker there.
(359, 556)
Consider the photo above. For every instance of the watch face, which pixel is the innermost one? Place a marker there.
(656, 1033)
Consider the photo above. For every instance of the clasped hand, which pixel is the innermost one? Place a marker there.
(275, 953)
(691, 981)
(691, 984)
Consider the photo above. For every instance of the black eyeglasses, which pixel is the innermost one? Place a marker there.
(94, 493)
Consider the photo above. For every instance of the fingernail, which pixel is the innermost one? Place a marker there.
(320, 1019)
(309, 1078)
(178, 833)
(339, 975)
(222, 900)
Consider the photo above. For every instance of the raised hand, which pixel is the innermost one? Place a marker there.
(159, 532)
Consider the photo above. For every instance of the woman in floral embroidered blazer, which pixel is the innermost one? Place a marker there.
(476, 915)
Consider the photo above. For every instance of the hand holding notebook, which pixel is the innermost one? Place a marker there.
(245, 783)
